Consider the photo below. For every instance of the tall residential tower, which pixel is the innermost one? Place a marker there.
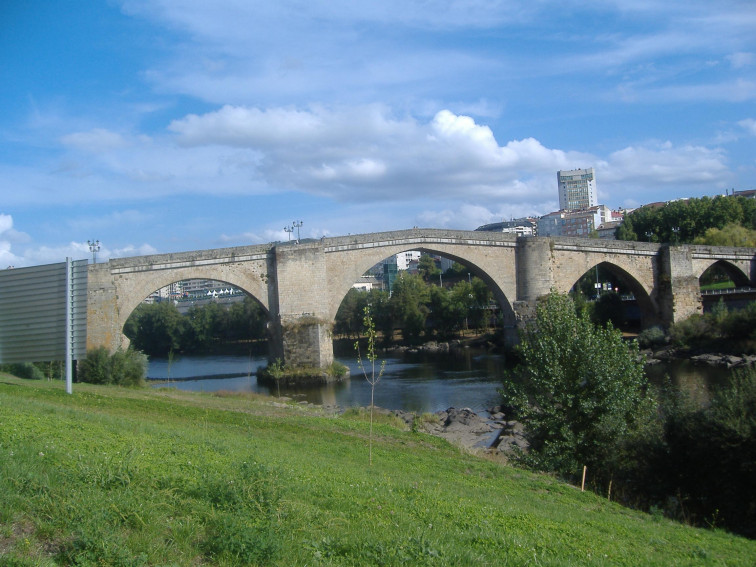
(577, 189)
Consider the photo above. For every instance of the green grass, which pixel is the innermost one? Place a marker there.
(114, 476)
(718, 285)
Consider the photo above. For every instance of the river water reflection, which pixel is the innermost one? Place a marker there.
(419, 383)
(411, 382)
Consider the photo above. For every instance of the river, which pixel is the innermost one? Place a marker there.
(411, 382)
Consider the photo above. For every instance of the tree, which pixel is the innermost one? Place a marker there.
(730, 235)
(155, 328)
(579, 390)
(685, 220)
(372, 378)
(428, 269)
(409, 299)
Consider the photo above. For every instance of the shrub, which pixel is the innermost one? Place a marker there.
(95, 368)
(23, 370)
(652, 337)
(695, 329)
(125, 368)
(702, 469)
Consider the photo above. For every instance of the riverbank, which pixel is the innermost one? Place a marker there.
(154, 477)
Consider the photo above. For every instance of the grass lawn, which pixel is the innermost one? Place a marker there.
(113, 476)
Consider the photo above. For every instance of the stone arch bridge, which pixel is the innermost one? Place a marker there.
(301, 285)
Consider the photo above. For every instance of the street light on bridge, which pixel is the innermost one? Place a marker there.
(94, 248)
(289, 230)
(297, 225)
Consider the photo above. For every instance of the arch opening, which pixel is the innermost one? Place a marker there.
(422, 294)
(198, 315)
(615, 295)
(721, 282)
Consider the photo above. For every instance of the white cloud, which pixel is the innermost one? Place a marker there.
(6, 223)
(741, 59)
(95, 140)
(749, 125)
(365, 153)
(647, 169)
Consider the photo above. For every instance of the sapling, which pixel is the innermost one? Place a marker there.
(372, 378)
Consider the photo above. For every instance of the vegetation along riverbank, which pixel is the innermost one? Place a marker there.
(122, 476)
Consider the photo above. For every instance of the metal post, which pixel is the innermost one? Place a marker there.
(69, 326)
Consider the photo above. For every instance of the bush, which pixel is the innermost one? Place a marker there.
(702, 468)
(652, 337)
(694, 330)
(124, 368)
(23, 370)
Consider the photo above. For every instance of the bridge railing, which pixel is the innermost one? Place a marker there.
(730, 290)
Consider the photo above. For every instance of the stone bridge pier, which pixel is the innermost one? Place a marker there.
(301, 327)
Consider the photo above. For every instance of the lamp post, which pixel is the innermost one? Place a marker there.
(94, 248)
(297, 225)
(289, 230)
(675, 236)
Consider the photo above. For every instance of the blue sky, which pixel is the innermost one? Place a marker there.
(166, 125)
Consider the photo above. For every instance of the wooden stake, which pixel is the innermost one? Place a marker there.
(609, 496)
(582, 486)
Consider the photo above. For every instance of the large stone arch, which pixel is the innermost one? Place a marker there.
(494, 265)
(116, 287)
(133, 289)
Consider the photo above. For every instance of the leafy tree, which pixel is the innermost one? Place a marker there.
(730, 235)
(155, 328)
(347, 321)
(372, 378)
(579, 390)
(428, 268)
(408, 300)
(685, 220)
(608, 309)
(443, 318)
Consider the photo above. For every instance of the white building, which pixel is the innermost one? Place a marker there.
(577, 189)
(404, 259)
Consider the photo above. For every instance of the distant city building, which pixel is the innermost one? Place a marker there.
(576, 223)
(404, 259)
(389, 273)
(577, 189)
(748, 193)
(521, 227)
(367, 283)
(608, 230)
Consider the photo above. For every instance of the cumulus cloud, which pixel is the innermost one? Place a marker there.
(366, 153)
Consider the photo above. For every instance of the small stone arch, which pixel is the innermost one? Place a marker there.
(735, 273)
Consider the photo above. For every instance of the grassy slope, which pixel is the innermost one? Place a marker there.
(110, 476)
